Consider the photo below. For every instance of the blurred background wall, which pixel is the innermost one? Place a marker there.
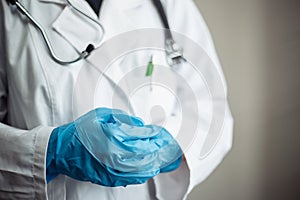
(258, 42)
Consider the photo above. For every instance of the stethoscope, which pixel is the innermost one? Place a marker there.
(173, 51)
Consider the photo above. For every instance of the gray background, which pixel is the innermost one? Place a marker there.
(258, 42)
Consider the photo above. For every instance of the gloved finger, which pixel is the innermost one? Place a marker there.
(104, 175)
(140, 165)
(117, 178)
(107, 115)
(127, 132)
(141, 140)
(168, 150)
(127, 161)
(143, 154)
(106, 143)
(124, 147)
(126, 178)
(127, 119)
(115, 153)
(169, 153)
(172, 166)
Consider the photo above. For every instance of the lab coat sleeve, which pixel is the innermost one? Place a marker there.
(185, 18)
(22, 162)
(22, 152)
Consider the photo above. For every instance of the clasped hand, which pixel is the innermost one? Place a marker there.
(111, 148)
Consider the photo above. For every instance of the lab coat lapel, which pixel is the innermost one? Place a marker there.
(76, 28)
(115, 21)
(105, 63)
(80, 4)
(80, 31)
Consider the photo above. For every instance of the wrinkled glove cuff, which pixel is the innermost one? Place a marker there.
(51, 171)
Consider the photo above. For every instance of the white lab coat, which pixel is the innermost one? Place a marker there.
(37, 94)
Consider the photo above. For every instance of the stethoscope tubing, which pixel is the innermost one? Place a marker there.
(174, 52)
(82, 55)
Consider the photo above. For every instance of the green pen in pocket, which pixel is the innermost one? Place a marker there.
(150, 67)
(149, 71)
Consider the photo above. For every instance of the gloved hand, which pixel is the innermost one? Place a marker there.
(110, 148)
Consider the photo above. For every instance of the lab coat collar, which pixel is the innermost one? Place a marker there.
(80, 31)
(79, 4)
(115, 19)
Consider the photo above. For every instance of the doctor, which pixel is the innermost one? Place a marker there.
(49, 131)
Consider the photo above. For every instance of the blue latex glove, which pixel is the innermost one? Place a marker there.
(110, 148)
